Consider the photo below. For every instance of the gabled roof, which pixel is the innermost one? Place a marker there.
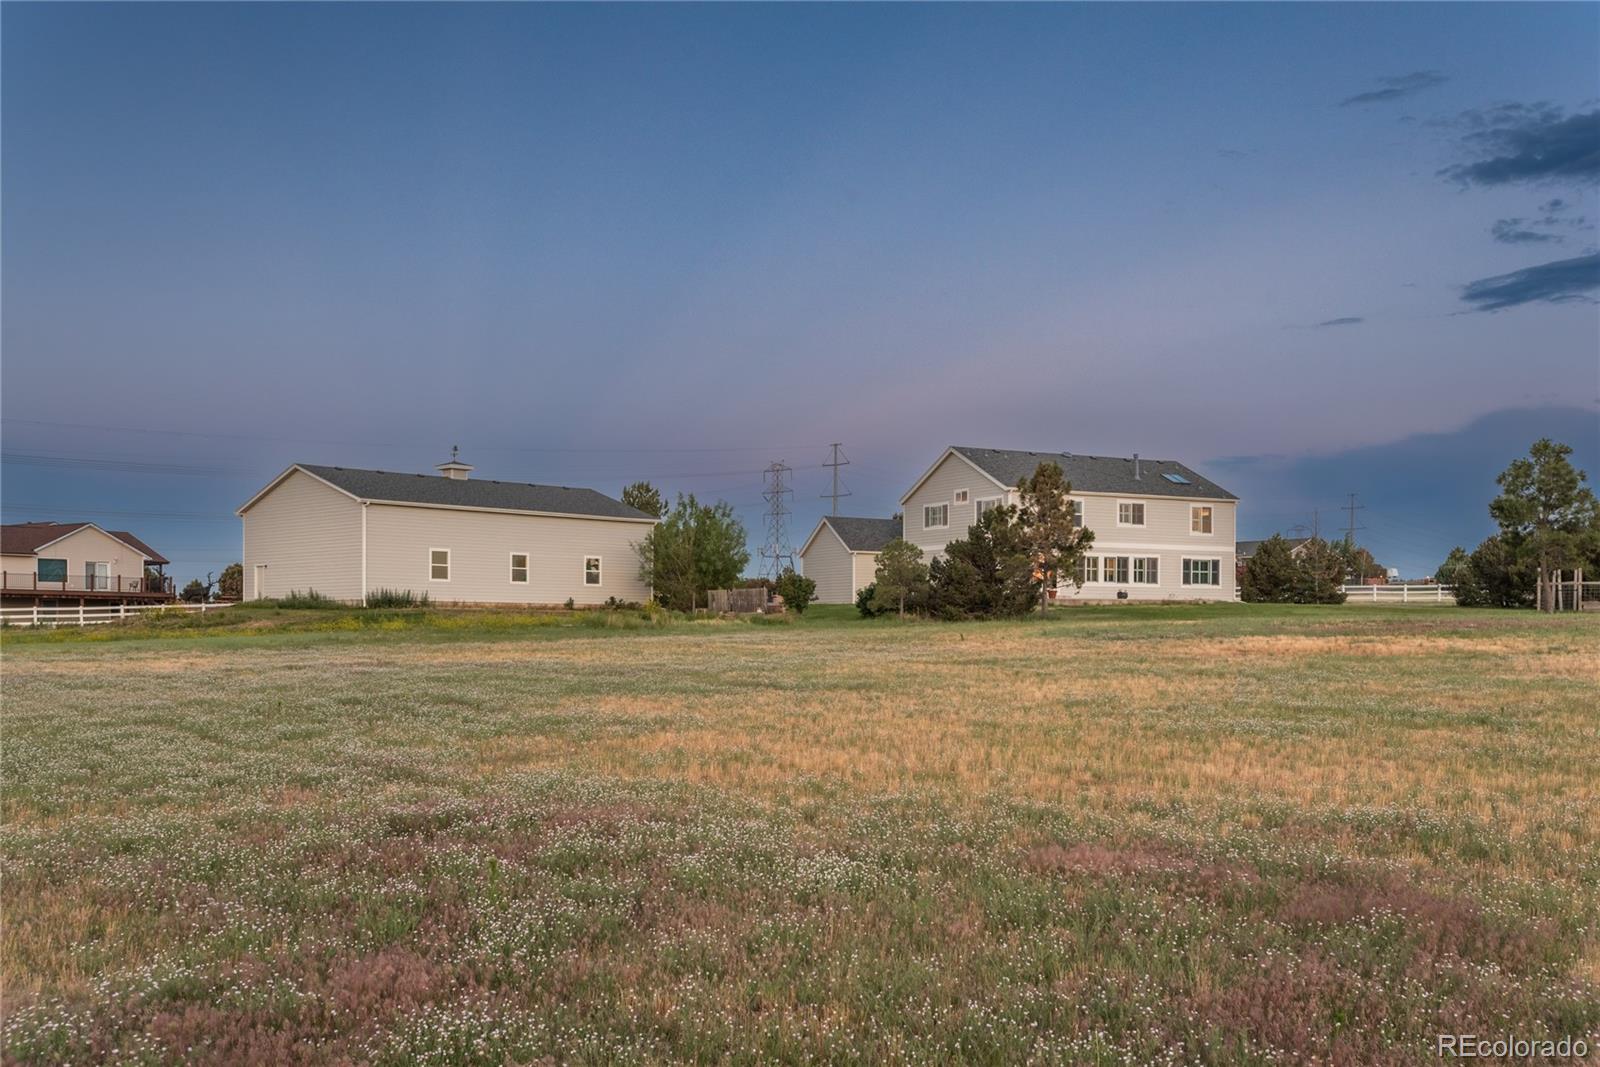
(26, 538)
(1246, 549)
(856, 534)
(150, 554)
(438, 491)
(1096, 474)
(864, 535)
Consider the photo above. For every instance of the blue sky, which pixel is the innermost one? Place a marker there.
(1291, 246)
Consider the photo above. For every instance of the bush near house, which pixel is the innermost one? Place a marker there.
(396, 598)
(797, 590)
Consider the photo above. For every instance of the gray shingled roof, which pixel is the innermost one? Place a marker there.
(1096, 474)
(863, 535)
(1246, 549)
(472, 492)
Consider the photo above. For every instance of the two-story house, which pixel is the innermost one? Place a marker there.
(1161, 530)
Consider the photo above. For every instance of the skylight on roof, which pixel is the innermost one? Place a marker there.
(1175, 479)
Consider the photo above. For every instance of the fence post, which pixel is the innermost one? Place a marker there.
(80, 611)
(1405, 594)
(36, 613)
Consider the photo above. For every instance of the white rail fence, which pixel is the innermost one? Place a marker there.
(1399, 594)
(95, 614)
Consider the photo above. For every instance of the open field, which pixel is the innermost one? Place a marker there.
(1228, 834)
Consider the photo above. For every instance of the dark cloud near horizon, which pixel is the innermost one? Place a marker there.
(1557, 282)
(1397, 87)
(1528, 143)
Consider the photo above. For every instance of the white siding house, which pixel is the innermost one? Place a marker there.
(347, 533)
(841, 555)
(1161, 531)
(71, 561)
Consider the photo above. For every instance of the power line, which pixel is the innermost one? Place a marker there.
(394, 444)
(836, 463)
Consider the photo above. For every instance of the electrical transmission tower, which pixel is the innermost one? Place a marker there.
(777, 551)
(836, 463)
(1350, 530)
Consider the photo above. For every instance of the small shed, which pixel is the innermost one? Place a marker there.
(841, 555)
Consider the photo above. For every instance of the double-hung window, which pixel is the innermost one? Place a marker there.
(1088, 569)
(986, 506)
(438, 564)
(519, 568)
(1077, 514)
(591, 570)
(1146, 570)
(1200, 518)
(1130, 513)
(961, 496)
(1115, 567)
(936, 516)
(1202, 572)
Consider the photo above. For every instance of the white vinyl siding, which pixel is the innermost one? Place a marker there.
(79, 549)
(952, 474)
(303, 535)
(827, 562)
(399, 540)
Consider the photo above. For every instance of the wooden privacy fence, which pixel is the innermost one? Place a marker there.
(1399, 594)
(93, 614)
(738, 601)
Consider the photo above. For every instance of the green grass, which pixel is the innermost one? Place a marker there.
(1218, 834)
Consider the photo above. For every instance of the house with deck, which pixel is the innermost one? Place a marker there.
(1162, 531)
(78, 563)
(348, 532)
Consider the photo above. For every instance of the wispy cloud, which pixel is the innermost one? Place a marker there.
(1553, 283)
(1345, 320)
(1516, 232)
(1396, 88)
(1528, 143)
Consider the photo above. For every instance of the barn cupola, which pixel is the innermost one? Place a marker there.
(455, 469)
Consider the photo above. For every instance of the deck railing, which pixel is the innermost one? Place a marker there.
(30, 582)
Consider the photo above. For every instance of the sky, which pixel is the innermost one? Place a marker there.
(1309, 250)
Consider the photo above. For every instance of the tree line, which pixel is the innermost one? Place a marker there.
(1549, 522)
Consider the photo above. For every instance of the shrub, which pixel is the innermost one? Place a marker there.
(396, 598)
(797, 590)
(308, 599)
(618, 604)
(865, 601)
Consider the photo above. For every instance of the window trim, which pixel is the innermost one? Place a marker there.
(962, 496)
(1211, 520)
(1085, 561)
(1185, 572)
(448, 567)
(1105, 578)
(599, 572)
(527, 568)
(66, 568)
(1144, 514)
(977, 505)
(1133, 570)
(926, 525)
(1076, 504)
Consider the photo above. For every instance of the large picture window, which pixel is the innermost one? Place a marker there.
(438, 564)
(1202, 572)
(936, 516)
(52, 570)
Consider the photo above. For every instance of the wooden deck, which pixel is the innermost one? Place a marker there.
(25, 585)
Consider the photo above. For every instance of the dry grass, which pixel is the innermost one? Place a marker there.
(1141, 835)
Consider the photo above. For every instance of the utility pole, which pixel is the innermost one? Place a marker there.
(1350, 530)
(836, 463)
(777, 550)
